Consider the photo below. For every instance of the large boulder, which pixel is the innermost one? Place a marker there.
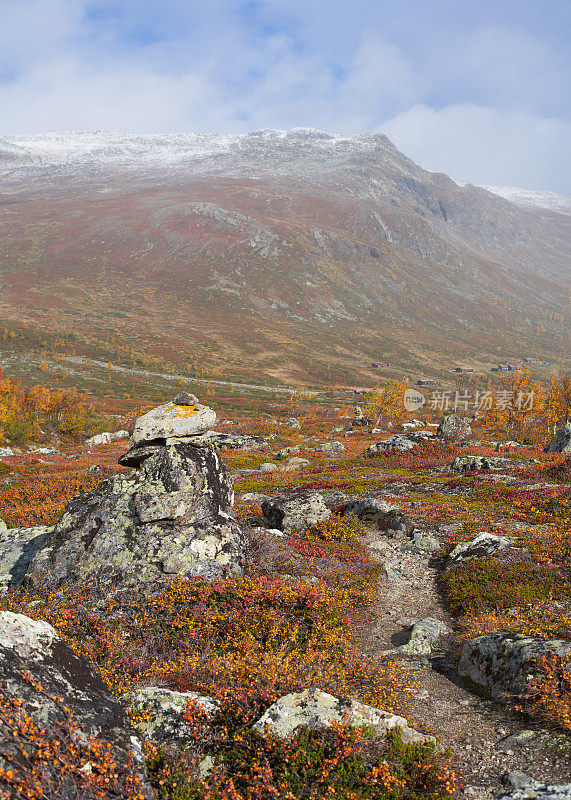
(296, 510)
(506, 663)
(314, 709)
(46, 688)
(17, 548)
(158, 713)
(387, 516)
(173, 420)
(472, 463)
(481, 546)
(106, 437)
(539, 790)
(400, 442)
(562, 441)
(454, 428)
(329, 448)
(170, 517)
(423, 635)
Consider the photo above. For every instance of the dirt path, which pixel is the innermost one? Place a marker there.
(470, 726)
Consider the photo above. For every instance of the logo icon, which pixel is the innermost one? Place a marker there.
(413, 400)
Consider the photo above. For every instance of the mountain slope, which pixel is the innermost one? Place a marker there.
(297, 256)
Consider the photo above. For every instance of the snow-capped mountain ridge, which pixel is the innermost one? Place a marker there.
(77, 150)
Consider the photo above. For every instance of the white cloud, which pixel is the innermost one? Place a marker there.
(486, 145)
(480, 102)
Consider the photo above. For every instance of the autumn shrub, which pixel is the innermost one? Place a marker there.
(58, 760)
(348, 528)
(265, 636)
(341, 762)
(488, 584)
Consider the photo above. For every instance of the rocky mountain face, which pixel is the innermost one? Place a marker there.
(304, 253)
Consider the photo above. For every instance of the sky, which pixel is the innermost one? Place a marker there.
(478, 89)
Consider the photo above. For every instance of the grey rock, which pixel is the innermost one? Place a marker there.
(454, 428)
(173, 421)
(6, 451)
(227, 441)
(537, 790)
(294, 423)
(285, 452)
(471, 463)
(385, 515)
(481, 546)
(296, 463)
(506, 446)
(169, 518)
(504, 663)
(315, 710)
(423, 634)
(296, 510)
(253, 497)
(105, 438)
(400, 442)
(562, 441)
(423, 542)
(330, 447)
(268, 466)
(516, 780)
(185, 399)
(17, 548)
(161, 713)
(359, 420)
(31, 646)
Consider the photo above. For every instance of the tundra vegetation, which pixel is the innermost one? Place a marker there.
(293, 618)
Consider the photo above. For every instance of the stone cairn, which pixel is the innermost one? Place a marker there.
(168, 517)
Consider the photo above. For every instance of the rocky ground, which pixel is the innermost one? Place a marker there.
(411, 581)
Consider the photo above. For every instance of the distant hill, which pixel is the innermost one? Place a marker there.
(295, 256)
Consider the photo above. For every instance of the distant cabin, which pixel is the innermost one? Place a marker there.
(360, 392)
(464, 369)
(503, 368)
(380, 364)
(426, 382)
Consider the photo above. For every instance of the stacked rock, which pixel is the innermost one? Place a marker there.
(168, 517)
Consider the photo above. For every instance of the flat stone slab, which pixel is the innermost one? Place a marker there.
(172, 420)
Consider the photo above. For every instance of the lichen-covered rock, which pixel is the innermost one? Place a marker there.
(173, 420)
(387, 516)
(423, 542)
(562, 441)
(31, 656)
(454, 428)
(106, 437)
(314, 709)
(288, 512)
(505, 663)
(400, 442)
(294, 423)
(423, 634)
(295, 463)
(481, 546)
(268, 466)
(17, 548)
(287, 451)
(229, 441)
(168, 518)
(470, 463)
(537, 790)
(330, 448)
(159, 713)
